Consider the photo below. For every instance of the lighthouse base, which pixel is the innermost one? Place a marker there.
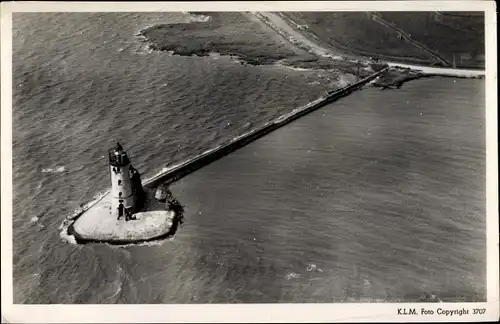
(98, 224)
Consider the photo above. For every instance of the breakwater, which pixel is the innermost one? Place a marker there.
(198, 162)
(440, 71)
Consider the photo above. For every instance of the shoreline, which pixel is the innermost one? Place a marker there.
(302, 48)
(292, 30)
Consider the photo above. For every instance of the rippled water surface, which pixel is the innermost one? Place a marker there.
(379, 195)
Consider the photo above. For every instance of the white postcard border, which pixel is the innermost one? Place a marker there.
(340, 312)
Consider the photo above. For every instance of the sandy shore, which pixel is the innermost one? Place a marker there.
(294, 36)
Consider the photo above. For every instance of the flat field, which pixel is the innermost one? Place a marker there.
(447, 34)
(357, 33)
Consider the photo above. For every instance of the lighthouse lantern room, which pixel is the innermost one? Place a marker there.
(123, 182)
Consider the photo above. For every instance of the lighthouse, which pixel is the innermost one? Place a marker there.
(128, 213)
(126, 187)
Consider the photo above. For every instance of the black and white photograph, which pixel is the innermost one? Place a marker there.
(340, 156)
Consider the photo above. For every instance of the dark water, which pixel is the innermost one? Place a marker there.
(379, 190)
(380, 194)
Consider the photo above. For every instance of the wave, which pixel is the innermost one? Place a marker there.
(293, 68)
(242, 135)
(292, 275)
(147, 243)
(116, 285)
(198, 17)
(312, 267)
(67, 237)
(143, 49)
(345, 80)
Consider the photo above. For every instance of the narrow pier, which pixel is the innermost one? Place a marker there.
(87, 225)
(210, 156)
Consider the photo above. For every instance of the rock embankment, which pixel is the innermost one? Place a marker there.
(157, 220)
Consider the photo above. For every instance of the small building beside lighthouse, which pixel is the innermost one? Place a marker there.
(126, 187)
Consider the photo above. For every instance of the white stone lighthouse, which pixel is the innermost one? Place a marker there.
(126, 186)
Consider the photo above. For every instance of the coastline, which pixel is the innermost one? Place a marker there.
(391, 42)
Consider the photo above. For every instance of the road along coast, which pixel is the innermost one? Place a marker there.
(292, 32)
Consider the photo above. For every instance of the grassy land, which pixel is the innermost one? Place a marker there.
(357, 33)
(447, 34)
(241, 36)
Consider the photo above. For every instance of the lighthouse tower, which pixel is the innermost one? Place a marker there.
(126, 186)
